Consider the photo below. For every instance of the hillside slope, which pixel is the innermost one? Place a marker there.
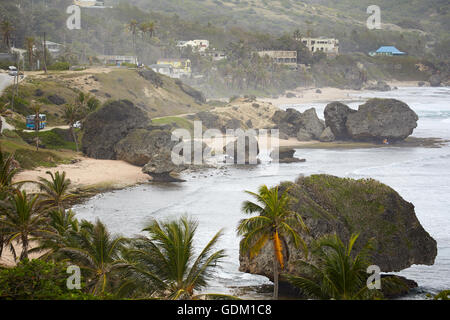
(57, 89)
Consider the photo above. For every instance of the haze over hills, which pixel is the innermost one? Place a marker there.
(283, 15)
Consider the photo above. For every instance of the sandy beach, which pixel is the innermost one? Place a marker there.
(328, 94)
(91, 173)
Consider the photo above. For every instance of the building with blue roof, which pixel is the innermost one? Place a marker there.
(387, 51)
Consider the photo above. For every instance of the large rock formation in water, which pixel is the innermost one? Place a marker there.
(122, 131)
(380, 119)
(244, 150)
(140, 145)
(336, 115)
(103, 129)
(330, 205)
(304, 126)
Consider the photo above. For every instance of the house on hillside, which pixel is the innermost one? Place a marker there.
(89, 3)
(329, 46)
(387, 51)
(54, 48)
(288, 58)
(174, 68)
(216, 55)
(164, 69)
(117, 60)
(196, 45)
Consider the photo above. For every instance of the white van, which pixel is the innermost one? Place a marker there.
(12, 71)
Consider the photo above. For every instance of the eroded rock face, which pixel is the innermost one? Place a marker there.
(311, 123)
(244, 150)
(330, 205)
(336, 115)
(291, 121)
(162, 169)
(285, 155)
(139, 146)
(104, 128)
(380, 86)
(380, 119)
(327, 135)
(435, 80)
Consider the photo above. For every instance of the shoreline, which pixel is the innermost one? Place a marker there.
(305, 95)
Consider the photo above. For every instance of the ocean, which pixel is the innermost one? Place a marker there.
(214, 196)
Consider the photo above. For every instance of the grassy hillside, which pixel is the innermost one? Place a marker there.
(57, 89)
(28, 157)
(287, 14)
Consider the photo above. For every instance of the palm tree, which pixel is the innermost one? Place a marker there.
(98, 253)
(29, 44)
(92, 104)
(61, 230)
(274, 222)
(6, 29)
(338, 274)
(132, 27)
(55, 192)
(71, 115)
(22, 220)
(8, 170)
(166, 258)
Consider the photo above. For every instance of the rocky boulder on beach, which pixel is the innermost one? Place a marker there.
(244, 150)
(103, 129)
(162, 169)
(139, 146)
(380, 119)
(285, 155)
(344, 206)
(336, 115)
(305, 126)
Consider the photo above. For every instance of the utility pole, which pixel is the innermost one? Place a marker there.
(45, 55)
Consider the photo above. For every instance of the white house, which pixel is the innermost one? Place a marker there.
(329, 46)
(196, 45)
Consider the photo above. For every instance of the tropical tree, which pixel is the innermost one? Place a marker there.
(29, 44)
(61, 233)
(132, 27)
(22, 220)
(92, 104)
(99, 254)
(6, 28)
(55, 192)
(71, 114)
(166, 259)
(275, 222)
(8, 170)
(339, 273)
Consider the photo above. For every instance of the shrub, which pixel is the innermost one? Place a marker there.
(38, 280)
(59, 66)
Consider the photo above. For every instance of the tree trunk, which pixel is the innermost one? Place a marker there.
(275, 274)
(24, 254)
(74, 137)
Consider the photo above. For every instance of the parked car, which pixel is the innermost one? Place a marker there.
(12, 71)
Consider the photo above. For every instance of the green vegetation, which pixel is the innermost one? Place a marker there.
(177, 122)
(38, 280)
(275, 223)
(162, 265)
(338, 274)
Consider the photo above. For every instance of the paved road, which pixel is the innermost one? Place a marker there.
(5, 81)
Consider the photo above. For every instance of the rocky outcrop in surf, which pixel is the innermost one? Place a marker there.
(380, 119)
(344, 206)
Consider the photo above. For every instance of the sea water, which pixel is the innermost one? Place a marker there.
(214, 197)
